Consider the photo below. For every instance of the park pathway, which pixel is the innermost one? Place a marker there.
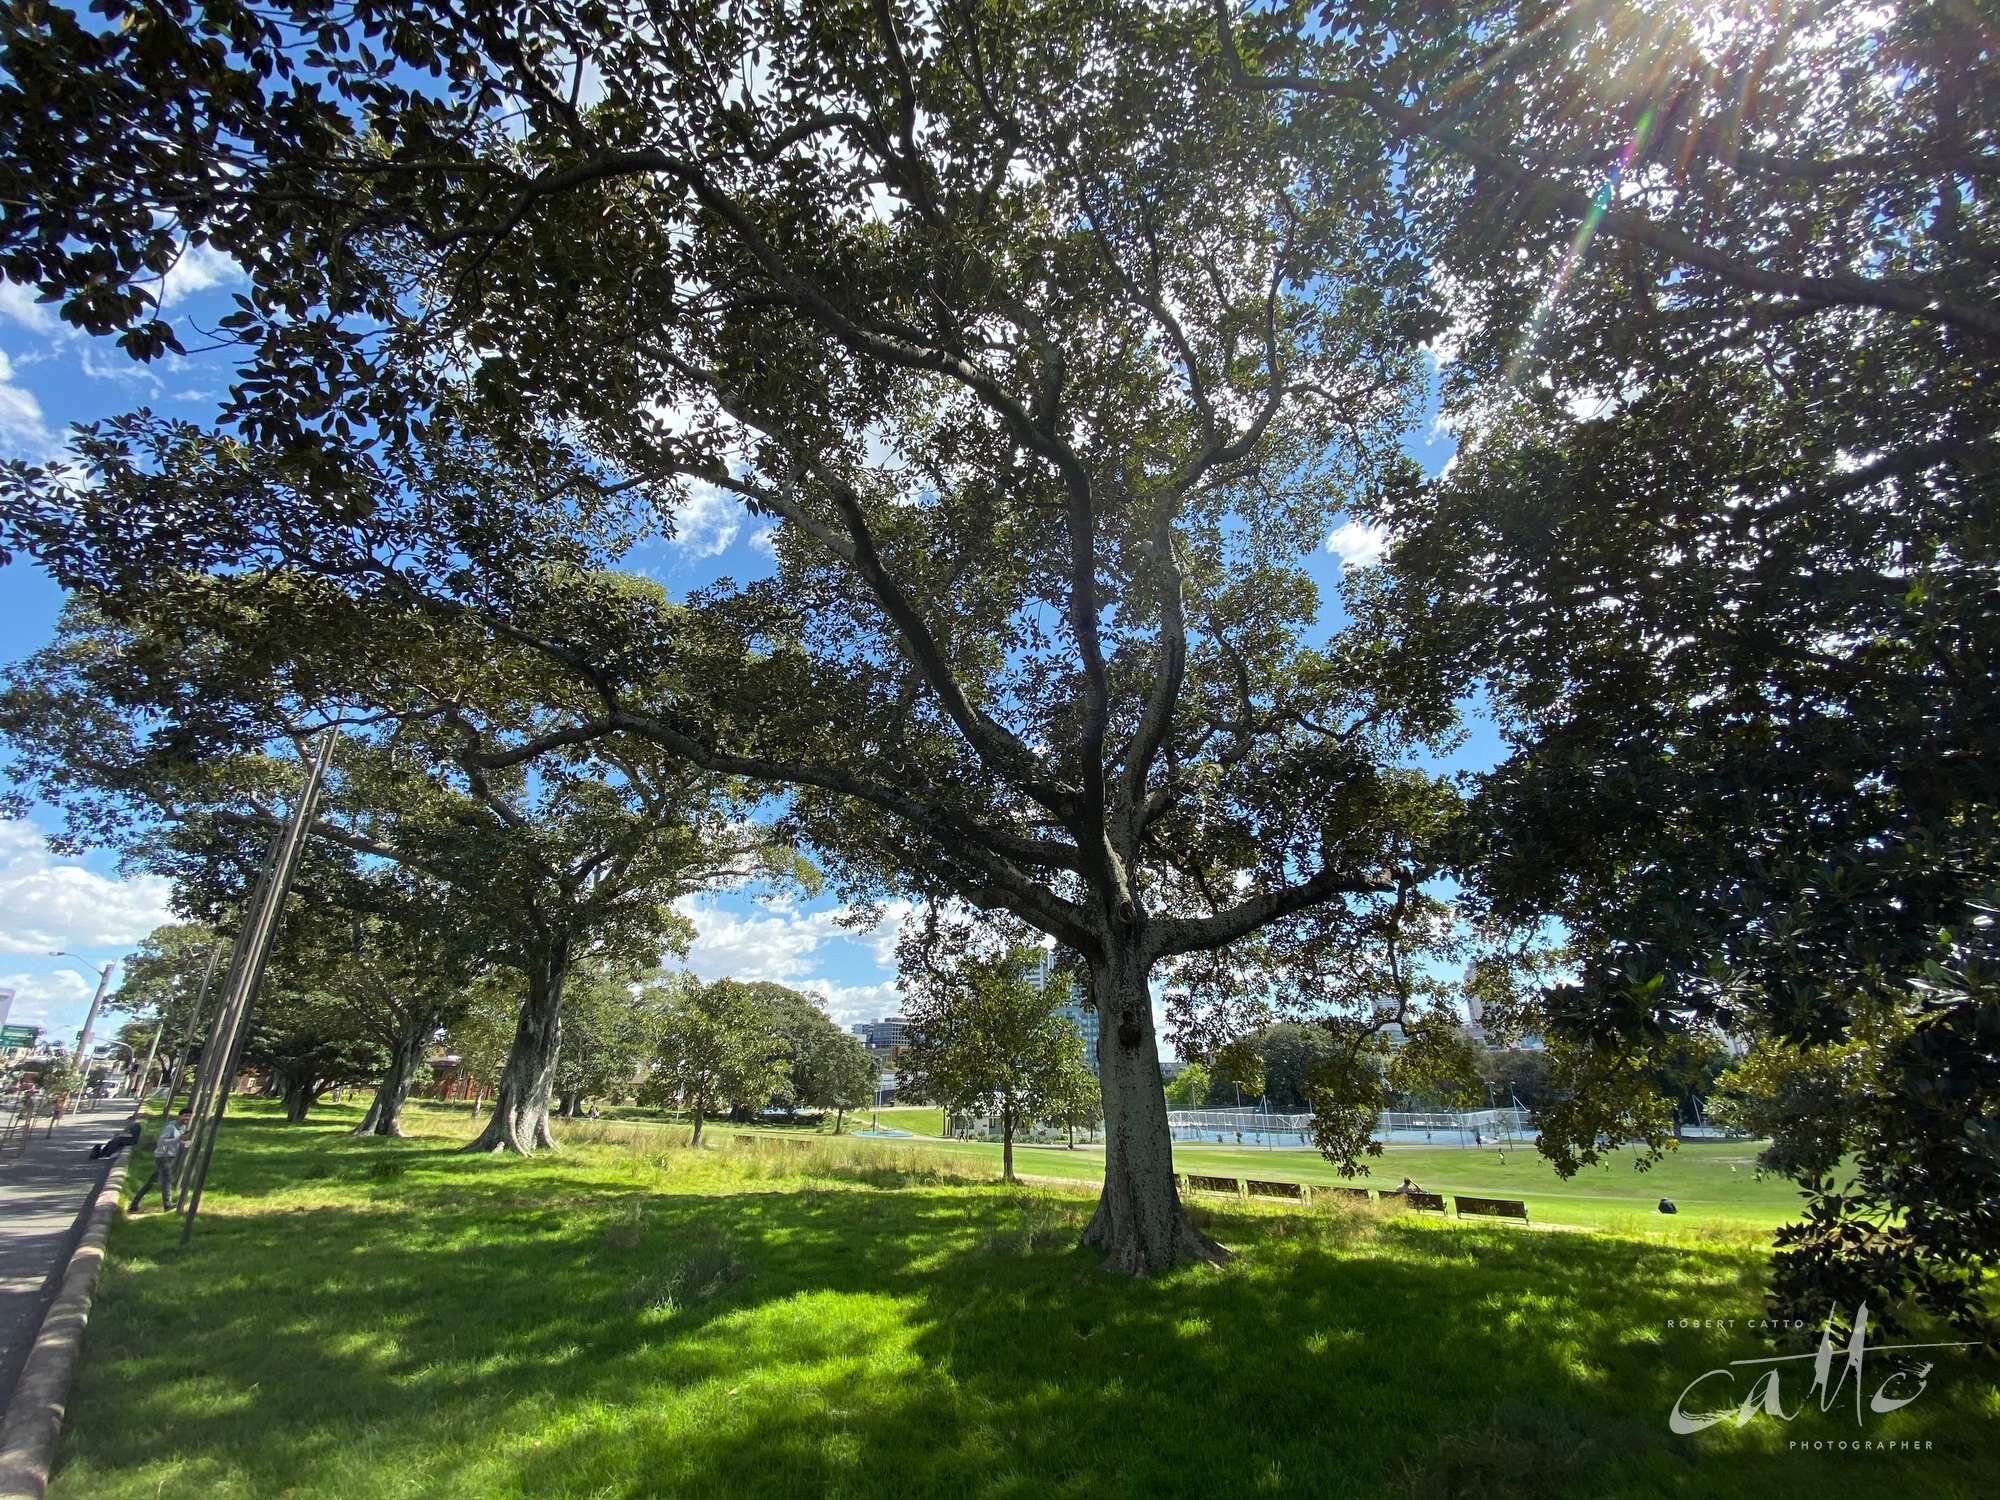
(43, 1195)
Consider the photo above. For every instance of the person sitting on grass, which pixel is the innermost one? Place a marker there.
(166, 1159)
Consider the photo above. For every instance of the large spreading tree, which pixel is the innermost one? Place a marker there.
(1051, 339)
(1719, 543)
(1051, 358)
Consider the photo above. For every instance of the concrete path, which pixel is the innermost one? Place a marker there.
(43, 1195)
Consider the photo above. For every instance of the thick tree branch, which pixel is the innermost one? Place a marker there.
(1170, 935)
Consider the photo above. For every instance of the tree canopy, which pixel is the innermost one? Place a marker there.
(159, 735)
(719, 1047)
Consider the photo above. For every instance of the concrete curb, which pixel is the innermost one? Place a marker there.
(41, 1396)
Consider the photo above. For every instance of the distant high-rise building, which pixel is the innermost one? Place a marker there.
(1390, 1031)
(1085, 1021)
(1075, 1012)
(890, 1034)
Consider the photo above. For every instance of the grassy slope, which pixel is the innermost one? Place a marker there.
(641, 1319)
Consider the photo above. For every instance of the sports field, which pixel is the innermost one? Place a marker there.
(1712, 1183)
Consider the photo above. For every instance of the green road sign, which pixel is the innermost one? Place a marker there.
(19, 1036)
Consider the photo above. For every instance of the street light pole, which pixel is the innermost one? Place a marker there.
(199, 1008)
(90, 1019)
(152, 1052)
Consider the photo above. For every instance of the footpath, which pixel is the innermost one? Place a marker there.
(43, 1195)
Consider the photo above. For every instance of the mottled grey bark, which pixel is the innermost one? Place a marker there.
(520, 1118)
(406, 1062)
(1139, 1224)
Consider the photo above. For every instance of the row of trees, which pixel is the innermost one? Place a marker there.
(330, 1017)
(1054, 341)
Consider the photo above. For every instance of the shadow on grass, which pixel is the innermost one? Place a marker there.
(621, 1324)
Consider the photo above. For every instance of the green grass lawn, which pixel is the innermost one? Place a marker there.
(630, 1317)
(918, 1119)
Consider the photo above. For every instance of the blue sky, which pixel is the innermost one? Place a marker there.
(51, 376)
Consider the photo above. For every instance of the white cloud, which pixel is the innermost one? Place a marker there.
(1444, 348)
(849, 1003)
(120, 369)
(18, 305)
(778, 946)
(783, 944)
(199, 268)
(1357, 544)
(47, 903)
(764, 540)
(36, 996)
(882, 938)
(708, 523)
(24, 433)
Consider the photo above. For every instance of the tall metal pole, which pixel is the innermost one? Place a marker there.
(159, 1028)
(246, 972)
(212, 1049)
(187, 1029)
(90, 1019)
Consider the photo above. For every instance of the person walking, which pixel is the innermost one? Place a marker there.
(166, 1160)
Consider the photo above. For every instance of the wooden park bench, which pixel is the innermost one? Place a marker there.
(1423, 1203)
(1259, 1189)
(1354, 1195)
(1492, 1208)
(1200, 1184)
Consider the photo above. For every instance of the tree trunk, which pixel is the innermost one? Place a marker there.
(406, 1061)
(697, 1121)
(1006, 1143)
(298, 1096)
(520, 1118)
(1139, 1224)
(839, 1115)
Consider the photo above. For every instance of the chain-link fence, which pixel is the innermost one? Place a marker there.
(1256, 1127)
